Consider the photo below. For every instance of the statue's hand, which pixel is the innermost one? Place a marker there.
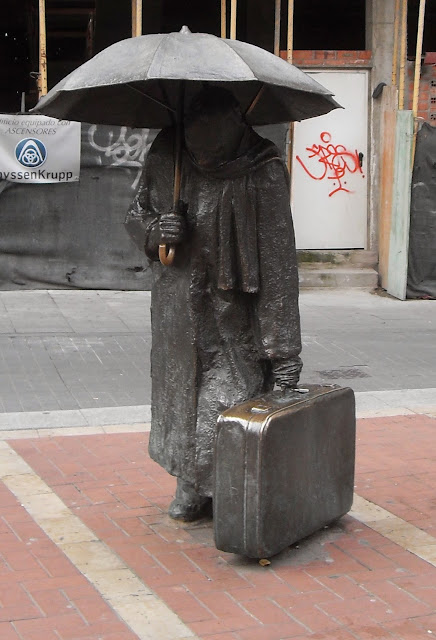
(172, 228)
(287, 372)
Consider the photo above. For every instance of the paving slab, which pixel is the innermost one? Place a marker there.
(83, 349)
(100, 416)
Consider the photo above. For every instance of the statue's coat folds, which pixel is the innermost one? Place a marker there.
(226, 311)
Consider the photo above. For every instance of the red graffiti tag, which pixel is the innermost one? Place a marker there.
(334, 161)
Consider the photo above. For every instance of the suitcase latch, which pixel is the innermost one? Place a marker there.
(261, 408)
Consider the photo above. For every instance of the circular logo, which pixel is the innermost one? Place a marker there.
(31, 152)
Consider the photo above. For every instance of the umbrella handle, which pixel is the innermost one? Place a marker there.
(167, 254)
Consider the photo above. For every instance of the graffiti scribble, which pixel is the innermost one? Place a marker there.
(333, 162)
(126, 151)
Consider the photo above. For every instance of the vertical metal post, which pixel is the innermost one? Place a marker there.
(233, 13)
(223, 18)
(42, 80)
(277, 16)
(403, 55)
(136, 18)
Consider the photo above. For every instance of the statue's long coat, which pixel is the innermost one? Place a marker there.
(227, 307)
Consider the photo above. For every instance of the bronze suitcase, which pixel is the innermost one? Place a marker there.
(283, 468)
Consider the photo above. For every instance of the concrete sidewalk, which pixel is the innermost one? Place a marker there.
(83, 356)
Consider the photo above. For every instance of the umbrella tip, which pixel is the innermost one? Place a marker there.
(185, 30)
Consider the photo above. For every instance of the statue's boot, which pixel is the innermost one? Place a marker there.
(188, 505)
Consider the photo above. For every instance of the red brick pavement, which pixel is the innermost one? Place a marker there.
(347, 582)
(396, 467)
(42, 595)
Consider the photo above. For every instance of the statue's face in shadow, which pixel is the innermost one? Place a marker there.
(213, 130)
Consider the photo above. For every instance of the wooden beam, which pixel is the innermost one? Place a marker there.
(139, 17)
(223, 18)
(396, 39)
(277, 16)
(290, 38)
(233, 15)
(42, 79)
(403, 55)
(417, 75)
(136, 18)
(133, 18)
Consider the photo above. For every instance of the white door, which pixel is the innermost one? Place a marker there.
(330, 167)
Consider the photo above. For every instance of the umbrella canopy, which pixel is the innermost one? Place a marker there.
(136, 82)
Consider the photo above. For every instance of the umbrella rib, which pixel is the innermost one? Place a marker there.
(255, 100)
(146, 95)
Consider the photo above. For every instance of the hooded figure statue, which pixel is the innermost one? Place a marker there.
(225, 319)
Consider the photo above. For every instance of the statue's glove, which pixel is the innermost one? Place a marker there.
(172, 227)
(287, 372)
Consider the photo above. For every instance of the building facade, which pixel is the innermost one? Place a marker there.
(335, 160)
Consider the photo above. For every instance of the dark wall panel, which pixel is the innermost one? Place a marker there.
(421, 281)
(73, 235)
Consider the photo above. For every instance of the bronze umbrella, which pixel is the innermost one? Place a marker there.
(145, 82)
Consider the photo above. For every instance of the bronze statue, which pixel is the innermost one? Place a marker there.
(225, 319)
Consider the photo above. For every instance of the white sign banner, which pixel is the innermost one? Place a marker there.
(38, 149)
